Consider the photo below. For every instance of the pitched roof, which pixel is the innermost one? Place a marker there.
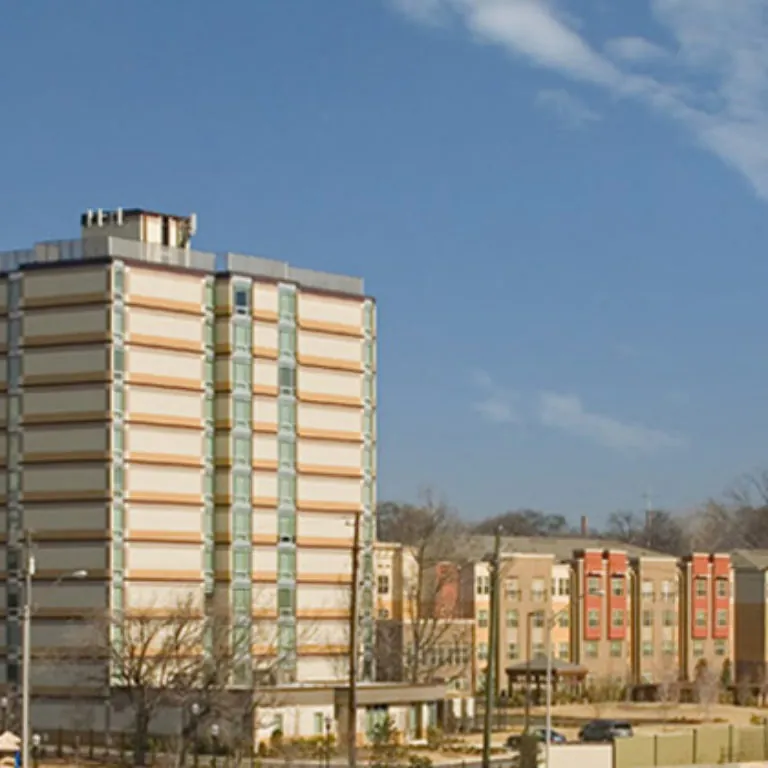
(560, 547)
(750, 558)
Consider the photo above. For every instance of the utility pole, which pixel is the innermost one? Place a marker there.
(26, 679)
(352, 692)
(493, 636)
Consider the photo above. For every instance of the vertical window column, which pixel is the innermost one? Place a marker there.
(117, 448)
(242, 472)
(209, 441)
(286, 481)
(369, 488)
(15, 517)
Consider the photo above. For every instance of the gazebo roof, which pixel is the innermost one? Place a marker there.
(538, 666)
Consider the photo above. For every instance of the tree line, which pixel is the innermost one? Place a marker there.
(736, 520)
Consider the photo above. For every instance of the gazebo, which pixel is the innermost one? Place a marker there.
(534, 672)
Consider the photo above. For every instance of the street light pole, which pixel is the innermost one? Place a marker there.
(490, 676)
(29, 571)
(352, 692)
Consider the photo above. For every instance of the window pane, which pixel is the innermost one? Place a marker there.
(286, 526)
(286, 377)
(117, 438)
(287, 302)
(286, 415)
(242, 450)
(286, 452)
(242, 299)
(285, 599)
(287, 489)
(118, 478)
(241, 410)
(118, 320)
(118, 360)
(241, 522)
(287, 341)
(242, 336)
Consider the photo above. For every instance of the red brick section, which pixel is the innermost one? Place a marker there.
(721, 571)
(593, 564)
(447, 591)
(699, 569)
(617, 568)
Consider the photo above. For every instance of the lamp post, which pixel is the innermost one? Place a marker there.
(493, 636)
(353, 616)
(328, 722)
(195, 710)
(215, 741)
(29, 572)
(4, 707)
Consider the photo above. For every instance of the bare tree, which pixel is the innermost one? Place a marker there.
(429, 641)
(168, 660)
(706, 686)
(667, 688)
(655, 529)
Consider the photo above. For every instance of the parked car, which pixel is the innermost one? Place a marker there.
(513, 742)
(605, 731)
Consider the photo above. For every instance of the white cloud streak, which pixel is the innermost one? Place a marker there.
(719, 92)
(569, 110)
(635, 50)
(566, 413)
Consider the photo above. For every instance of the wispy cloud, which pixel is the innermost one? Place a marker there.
(494, 403)
(569, 110)
(566, 413)
(634, 49)
(719, 92)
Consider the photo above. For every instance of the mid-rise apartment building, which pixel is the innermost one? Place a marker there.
(185, 425)
(619, 612)
(750, 606)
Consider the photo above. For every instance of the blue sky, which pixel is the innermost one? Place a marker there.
(560, 206)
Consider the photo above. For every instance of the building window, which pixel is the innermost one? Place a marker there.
(319, 723)
(617, 586)
(698, 648)
(616, 649)
(563, 651)
(647, 618)
(667, 591)
(242, 300)
(647, 649)
(722, 617)
(593, 585)
(482, 651)
(721, 648)
(701, 587)
(382, 584)
(512, 652)
(590, 649)
(593, 619)
(383, 613)
(617, 618)
(647, 590)
(286, 378)
(722, 588)
(669, 618)
(563, 620)
(512, 619)
(564, 587)
(483, 585)
(287, 303)
(537, 620)
(668, 648)
(512, 588)
(538, 650)
(538, 590)
(482, 618)
(701, 618)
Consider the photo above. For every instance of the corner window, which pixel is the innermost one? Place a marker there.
(242, 300)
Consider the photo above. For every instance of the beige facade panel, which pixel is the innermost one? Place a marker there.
(140, 596)
(163, 557)
(38, 287)
(264, 522)
(329, 490)
(82, 439)
(320, 668)
(222, 559)
(162, 519)
(324, 561)
(264, 373)
(265, 335)
(222, 481)
(322, 597)
(88, 479)
(330, 347)
(157, 285)
(66, 516)
(318, 525)
(76, 596)
(177, 327)
(264, 447)
(164, 363)
(264, 298)
(223, 327)
(329, 418)
(344, 384)
(222, 407)
(50, 633)
(3, 294)
(330, 454)
(264, 597)
(332, 632)
(264, 485)
(64, 404)
(264, 411)
(164, 481)
(47, 364)
(69, 556)
(54, 325)
(321, 309)
(3, 370)
(153, 401)
(265, 560)
(223, 520)
(164, 441)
